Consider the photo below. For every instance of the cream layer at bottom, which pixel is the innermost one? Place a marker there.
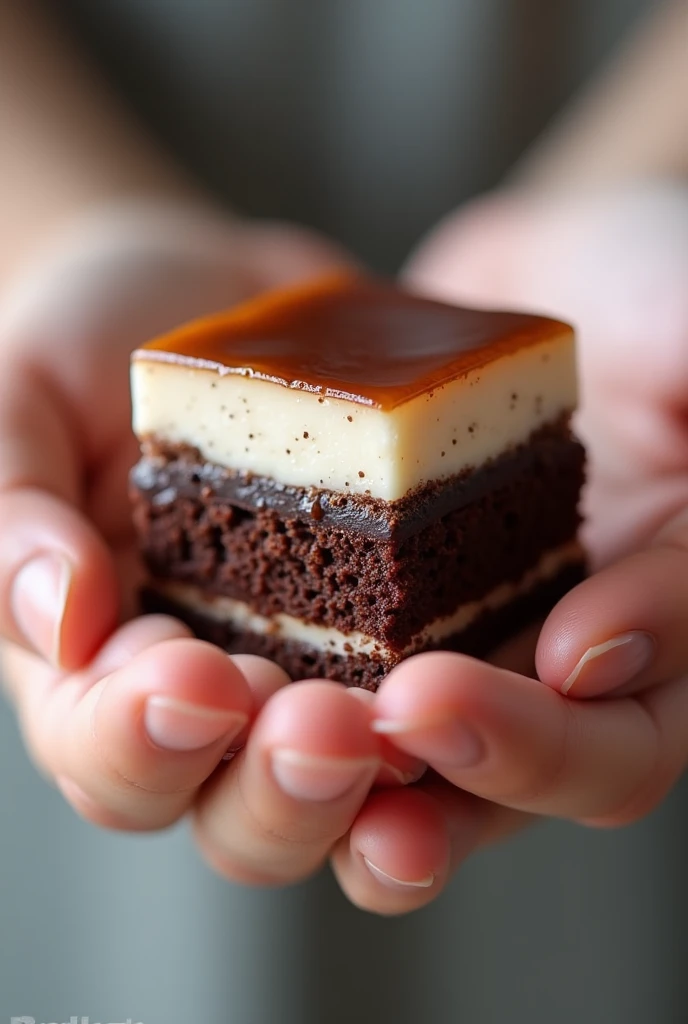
(324, 638)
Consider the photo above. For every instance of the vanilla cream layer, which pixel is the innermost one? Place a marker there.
(333, 641)
(305, 440)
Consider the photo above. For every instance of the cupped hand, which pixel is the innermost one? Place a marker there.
(129, 716)
(535, 743)
(136, 722)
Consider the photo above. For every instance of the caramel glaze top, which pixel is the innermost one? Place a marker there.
(351, 337)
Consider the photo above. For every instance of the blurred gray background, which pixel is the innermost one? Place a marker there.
(368, 119)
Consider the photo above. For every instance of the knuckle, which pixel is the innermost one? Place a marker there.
(115, 814)
(101, 816)
(103, 765)
(537, 778)
(645, 798)
(242, 863)
(290, 838)
(652, 783)
(300, 831)
(254, 844)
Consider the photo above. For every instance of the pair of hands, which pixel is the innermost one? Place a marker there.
(131, 717)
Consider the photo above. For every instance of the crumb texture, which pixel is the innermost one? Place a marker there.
(301, 662)
(385, 587)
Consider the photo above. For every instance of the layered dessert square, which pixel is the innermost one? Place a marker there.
(342, 475)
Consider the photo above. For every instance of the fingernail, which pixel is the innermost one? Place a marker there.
(38, 601)
(306, 777)
(397, 883)
(449, 742)
(178, 725)
(365, 696)
(612, 664)
(391, 775)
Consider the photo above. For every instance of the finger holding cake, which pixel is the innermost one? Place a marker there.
(520, 743)
(405, 845)
(131, 738)
(309, 763)
(160, 725)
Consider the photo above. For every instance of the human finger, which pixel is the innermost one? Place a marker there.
(130, 739)
(622, 630)
(519, 743)
(405, 844)
(58, 585)
(309, 762)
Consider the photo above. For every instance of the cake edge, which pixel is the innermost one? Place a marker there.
(484, 635)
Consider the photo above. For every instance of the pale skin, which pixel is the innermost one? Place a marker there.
(131, 717)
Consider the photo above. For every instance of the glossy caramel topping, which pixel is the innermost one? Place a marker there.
(351, 337)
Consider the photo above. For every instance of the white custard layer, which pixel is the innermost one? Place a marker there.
(324, 638)
(305, 440)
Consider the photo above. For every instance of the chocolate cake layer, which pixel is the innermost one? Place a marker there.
(482, 636)
(168, 472)
(322, 569)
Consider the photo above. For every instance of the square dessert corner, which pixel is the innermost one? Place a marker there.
(341, 475)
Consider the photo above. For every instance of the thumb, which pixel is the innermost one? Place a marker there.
(624, 629)
(58, 587)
